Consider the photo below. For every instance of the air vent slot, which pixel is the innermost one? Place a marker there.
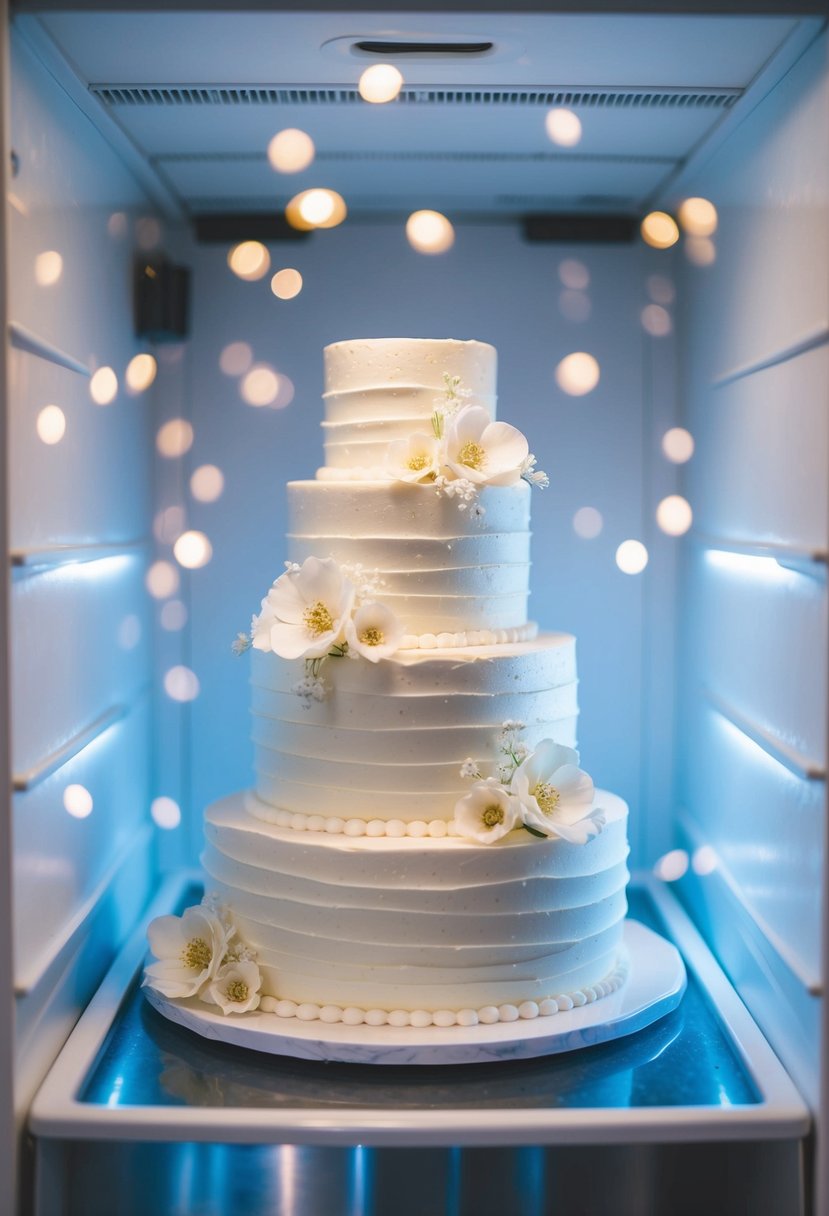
(285, 95)
(393, 49)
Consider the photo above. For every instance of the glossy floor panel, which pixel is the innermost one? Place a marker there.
(684, 1060)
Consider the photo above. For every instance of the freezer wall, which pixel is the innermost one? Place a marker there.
(751, 799)
(80, 500)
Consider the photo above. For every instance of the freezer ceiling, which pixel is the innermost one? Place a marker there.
(192, 100)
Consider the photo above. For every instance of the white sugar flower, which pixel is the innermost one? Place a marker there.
(189, 948)
(535, 477)
(236, 987)
(484, 452)
(415, 459)
(241, 643)
(469, 768)
(488, 812)
(305, 611)
(374, 632)
(556, 796)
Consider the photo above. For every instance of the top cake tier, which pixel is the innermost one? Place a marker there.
(381, 389)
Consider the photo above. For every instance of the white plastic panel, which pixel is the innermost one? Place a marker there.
(80, 643)
(766, 824)
(61, 859)
(770, 184)
(759, 472)
(93, 485)
(510, 130)
(757, 642)
(80, 648)
(560, 49)
(754, 642)
(376, 184)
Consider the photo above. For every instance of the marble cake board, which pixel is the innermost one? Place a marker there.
(653, 988)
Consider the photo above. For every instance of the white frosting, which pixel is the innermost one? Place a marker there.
(381, 389)
(388, 740)
(434, 924)
(442, 569)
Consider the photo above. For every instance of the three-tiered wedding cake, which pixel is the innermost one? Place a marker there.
(420, 846)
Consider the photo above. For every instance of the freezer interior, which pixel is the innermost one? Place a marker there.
(677, 397)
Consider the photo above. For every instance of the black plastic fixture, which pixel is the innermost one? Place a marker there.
(228, 228)
(161, 300)
(580, 229)
(423, 48)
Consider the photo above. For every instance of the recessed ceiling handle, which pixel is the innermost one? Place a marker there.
(422, 48)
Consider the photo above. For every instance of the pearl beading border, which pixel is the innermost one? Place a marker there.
(298, 821)
(470, 637)
(487, 1015)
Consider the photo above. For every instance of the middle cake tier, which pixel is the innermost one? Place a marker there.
(443, 566)
(388, 739)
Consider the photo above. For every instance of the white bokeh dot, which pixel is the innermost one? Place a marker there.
(77, 800)
(588, 523)
(672, 866)
(207, 483)
(577, 374)
(674, 515)
(181, 684)
(166, 812)
(678, 445)
(631, 557)
(173, 616)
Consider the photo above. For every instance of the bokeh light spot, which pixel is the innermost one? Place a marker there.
(129, 632)
(588, 523)
(674, 515)
(563, 127)
(162, 580)
(141, 371)
(672, 866)
(577, 373)
(51, 424)
(193, 550)
(656, 320)
(286, 283)
(574, 274)
(291, 150)
(181, 684)
(48, 268)
(173, 615)
(574, 305)
(429, 232)
(659, 230)
(698, 216)
(678, 445)
(77, 800)
(207, 483)
(631, 557)
(249, 260)
(174, 438)
(380, 83)
(103, 386)
(260, 386)
(235, 358)
(166, 812)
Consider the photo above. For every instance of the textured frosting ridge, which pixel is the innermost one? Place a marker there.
(420, 924)
(389, 739)
(381, 389)
(441, 569)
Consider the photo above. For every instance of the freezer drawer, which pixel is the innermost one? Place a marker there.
(692, 1113)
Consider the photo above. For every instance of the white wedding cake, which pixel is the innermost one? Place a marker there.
(421, 846)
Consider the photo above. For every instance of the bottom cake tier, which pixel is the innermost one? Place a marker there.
(435, 925)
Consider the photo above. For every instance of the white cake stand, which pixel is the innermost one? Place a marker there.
(653, 988)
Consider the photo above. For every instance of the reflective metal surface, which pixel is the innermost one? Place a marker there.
(684, 1060)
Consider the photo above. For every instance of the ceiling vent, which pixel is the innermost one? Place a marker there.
(273, 95)
(393, 50)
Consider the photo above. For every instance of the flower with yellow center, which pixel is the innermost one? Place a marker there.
(189, 950)
(236, 987)
(416, 459)
(556, 797)
(484, 452)
(487, 813)
(374, 632)
(305, 612)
